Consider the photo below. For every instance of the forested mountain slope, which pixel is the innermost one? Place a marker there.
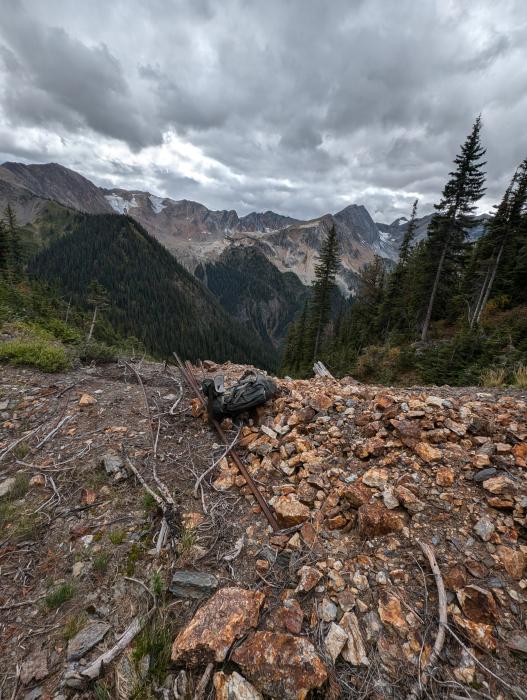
(254, 291)
(144, 291)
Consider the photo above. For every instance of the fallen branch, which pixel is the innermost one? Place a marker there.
(64, 421)
(216, 462)
(94, 670)
(22, 603)
(422, 680)
(201, 687)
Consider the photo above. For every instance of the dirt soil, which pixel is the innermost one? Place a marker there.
(78, 529)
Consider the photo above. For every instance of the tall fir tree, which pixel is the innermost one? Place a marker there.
(395, 299)
(5, 250)
(323, 287)
(16, 261)
(448, 229)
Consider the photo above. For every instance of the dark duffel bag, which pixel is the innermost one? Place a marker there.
(252, 390)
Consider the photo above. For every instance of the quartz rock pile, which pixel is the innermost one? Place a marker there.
(357, 476)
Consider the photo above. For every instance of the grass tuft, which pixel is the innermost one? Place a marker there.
(74, 625)
(520, 376)
(59, 595)
(117, 537)
(494, 377)
(100, 563)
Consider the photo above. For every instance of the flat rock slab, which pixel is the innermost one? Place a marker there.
(281, 665)
(193, 584)
(86, 639)
(227, 616)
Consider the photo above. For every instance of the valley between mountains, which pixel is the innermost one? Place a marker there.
(274, 254)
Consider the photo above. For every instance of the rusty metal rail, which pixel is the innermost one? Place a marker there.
(188, 376)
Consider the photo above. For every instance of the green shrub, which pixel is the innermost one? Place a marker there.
(35, 352)
(95, 351)
(62, 331)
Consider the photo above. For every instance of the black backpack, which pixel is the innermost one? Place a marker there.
(253, 389)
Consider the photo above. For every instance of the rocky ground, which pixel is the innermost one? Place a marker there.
(341, 602)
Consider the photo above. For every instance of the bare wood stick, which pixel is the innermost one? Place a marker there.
(216, 462)
(94, 670)
(12, 446)
(199, 693)
(140, 382)
(154, 495)
(422, 680)
(65, 420)
(22, 603)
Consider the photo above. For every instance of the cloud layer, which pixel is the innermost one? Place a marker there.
(297, 106)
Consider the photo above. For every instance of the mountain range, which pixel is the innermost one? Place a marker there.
(222, 248)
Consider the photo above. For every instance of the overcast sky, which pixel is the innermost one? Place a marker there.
(300, 106)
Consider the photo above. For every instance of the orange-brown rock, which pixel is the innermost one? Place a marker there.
(498, 485)
(289, 510)
(227, 616)
(520, 454)
(478, 634)
(281, 665)
(287, 618)
(427, 452)
(233, 687)
(87, 400)
(445, 476)
(356, 494)
(478, 604)
(513, 561)
(390, 612)
(309, 577)
(375, 519)
(455, 577)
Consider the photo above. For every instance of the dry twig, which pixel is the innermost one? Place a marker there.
(418, 688)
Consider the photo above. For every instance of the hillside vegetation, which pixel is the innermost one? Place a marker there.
(110, 261)
(452, 311)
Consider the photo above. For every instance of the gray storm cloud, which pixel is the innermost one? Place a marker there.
(300, 106)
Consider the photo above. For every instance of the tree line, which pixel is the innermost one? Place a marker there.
(11, 252)
(438, 293)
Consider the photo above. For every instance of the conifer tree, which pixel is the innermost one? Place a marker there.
(448, 229)
(5, 250)
(323, 286)
(502, 230)
(16, 263)
(395, 299)
(409, 235)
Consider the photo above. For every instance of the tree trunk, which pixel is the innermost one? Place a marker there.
(68, 311)
(491, 282)
(426, 324)
(480, 296)
(92, 324)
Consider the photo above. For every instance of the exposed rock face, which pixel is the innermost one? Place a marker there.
(281, 665)
(227, 616)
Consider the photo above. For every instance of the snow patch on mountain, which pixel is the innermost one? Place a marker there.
(157, 203)
(120, 204)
